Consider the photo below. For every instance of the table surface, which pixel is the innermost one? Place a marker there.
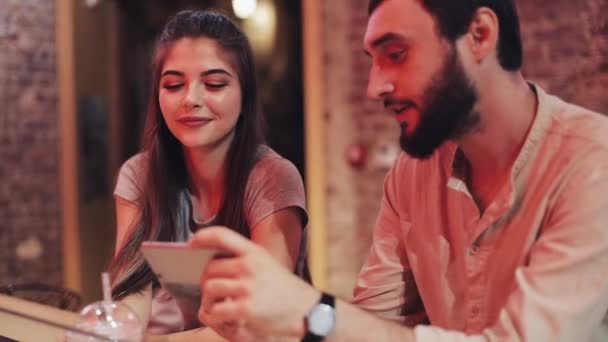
(13, 325)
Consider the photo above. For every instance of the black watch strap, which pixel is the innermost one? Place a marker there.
(310, 337)
(326, 299)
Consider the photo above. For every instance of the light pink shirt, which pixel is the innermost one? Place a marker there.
(532, 267)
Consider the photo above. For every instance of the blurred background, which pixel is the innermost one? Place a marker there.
(73, 90)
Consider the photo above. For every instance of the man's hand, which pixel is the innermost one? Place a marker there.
(249, 293)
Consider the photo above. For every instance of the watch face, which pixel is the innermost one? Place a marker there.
(322, 320)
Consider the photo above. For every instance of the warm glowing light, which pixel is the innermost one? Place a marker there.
(261, 28)
(244, 8)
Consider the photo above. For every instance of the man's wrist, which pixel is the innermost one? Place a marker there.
(321, 319)
(309, 298)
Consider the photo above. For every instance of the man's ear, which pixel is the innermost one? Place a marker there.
(482, 36)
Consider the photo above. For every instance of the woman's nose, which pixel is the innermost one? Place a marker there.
(194, 98)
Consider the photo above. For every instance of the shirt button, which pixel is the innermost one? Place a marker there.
(475, 310)
(474, 313)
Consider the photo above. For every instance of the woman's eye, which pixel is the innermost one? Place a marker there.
(173, 86)
(215, 86)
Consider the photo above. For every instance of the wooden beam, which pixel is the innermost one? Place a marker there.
(68, 147)
(314, 108)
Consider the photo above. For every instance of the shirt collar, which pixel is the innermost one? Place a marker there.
(455, 163)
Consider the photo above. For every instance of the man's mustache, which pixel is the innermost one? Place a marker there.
(394, 102)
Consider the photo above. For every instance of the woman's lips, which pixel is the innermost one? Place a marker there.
(193, 121)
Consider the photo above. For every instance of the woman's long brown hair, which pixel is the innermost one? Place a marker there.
(164, 191)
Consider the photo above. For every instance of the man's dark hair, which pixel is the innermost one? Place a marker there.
(454, 17)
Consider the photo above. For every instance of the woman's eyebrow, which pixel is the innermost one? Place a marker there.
(215, 71)
(204, 73)
(172, 72)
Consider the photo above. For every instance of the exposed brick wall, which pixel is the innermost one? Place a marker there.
(566, 49)
(353, 195)
(30, 222)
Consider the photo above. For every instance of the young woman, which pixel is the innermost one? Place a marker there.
(203, 162)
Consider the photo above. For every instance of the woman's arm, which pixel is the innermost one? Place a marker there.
(280, 234)
(275, 207)
(126, 215)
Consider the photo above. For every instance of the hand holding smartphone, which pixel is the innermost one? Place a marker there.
(178, 268)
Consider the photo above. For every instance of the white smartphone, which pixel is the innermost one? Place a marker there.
(178, 268)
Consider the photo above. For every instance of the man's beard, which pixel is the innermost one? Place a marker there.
(446, 111)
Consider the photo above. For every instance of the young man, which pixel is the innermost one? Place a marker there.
(494, 223)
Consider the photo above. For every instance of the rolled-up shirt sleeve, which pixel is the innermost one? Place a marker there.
(561, 294)
(385, 285)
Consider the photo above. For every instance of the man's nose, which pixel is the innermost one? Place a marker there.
(378, 86)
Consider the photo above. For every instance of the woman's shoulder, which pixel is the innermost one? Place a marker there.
(271, 164)
(130, 177)
(135, 163)
(273, 184)
(272, 171)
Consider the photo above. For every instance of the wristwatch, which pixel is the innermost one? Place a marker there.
(321, 320)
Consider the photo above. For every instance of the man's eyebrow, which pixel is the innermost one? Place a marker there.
(387, 37)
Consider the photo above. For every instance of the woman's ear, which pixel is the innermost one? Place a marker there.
(482, 36)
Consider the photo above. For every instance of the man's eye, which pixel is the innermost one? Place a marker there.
(174, 86)
(396, 55)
